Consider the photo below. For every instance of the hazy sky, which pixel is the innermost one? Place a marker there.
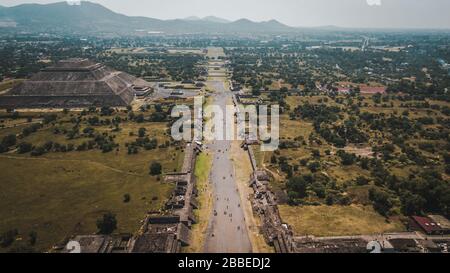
(345, 13)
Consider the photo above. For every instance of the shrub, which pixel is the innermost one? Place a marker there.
(8, 238)
(107, 224)
(9, 140)
(314, 166)
(346, 158)
(24, 148)
(32, 238)
(155, 168)
(126, 198)
(38, 151)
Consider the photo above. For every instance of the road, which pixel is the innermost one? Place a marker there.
(227, 232)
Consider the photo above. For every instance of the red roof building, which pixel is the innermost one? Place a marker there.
(426, 225)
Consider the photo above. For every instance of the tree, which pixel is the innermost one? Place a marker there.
(32, 237)
(362, 181)
(3, 148)
(107, 224)
(298, 185)
(106, 111)
(316, 153)
(9, 140)
(155, 168)
(346, 158)
(412, 204)
(142, 132)
(21, 249)
(8, 238)
(314, 166)
(381, 201)
(284, 89)
(126, 198)
(139, 118)
(49, 118)
(38, 151)
(24, 148)
(273, 159)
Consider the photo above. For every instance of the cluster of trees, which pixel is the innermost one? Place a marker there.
(318, 113)
(31, 129)
(316, 186)
(8, 238)
(154, 117)
(142, 141)
(179, 67)
(102, 142)
(7, 142)
(323, 117)
(423, 192)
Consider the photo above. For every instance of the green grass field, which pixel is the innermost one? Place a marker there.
(62, 194)
(202, 171)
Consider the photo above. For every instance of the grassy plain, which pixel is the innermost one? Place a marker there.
(323, 221)
(59, 195)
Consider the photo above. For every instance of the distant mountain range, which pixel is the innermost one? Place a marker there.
(213, 19)
(92, 18)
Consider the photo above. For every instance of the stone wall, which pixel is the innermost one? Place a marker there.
(168, 233)
(265, 205)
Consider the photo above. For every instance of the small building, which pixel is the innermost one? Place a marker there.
(142, 91)
(177, 93)
(101, 243)
(442, 222)
(425, 224)
(405, 245)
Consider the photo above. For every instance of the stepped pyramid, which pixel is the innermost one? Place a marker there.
(74, 83)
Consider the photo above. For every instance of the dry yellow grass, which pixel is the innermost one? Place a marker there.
(325, 221)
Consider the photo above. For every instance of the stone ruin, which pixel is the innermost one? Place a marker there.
(161, 234)
(100, 244)
(279, 234)
(75, 83)
(169, 232)
(264, 204)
